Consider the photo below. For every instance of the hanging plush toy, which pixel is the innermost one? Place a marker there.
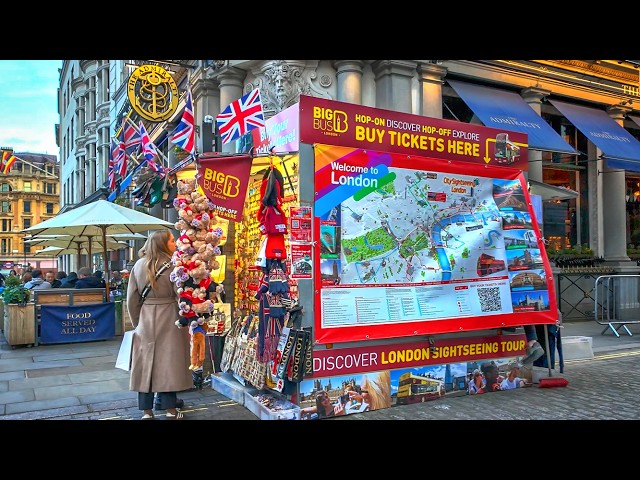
(197, 345)
(196, 249)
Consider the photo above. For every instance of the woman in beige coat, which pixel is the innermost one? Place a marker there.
(160, 356)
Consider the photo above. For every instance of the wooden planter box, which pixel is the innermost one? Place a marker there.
(123, 321)
(20, 324)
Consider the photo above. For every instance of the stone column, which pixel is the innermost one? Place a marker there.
(614, 202)
(533, 96)
(349, 76)
(393, 84)
(231, 86)
(431, 79)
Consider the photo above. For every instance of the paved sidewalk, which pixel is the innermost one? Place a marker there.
(79, 381)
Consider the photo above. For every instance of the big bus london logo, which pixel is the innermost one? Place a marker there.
(153, 93)
(329, 121)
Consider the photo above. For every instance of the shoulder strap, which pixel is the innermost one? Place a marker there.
(164, 266)
(160, 271)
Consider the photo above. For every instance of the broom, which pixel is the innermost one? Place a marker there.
(550, 381)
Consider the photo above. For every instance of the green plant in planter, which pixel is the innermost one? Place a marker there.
(14, 291)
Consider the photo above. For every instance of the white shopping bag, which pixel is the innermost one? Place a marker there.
(123, 361)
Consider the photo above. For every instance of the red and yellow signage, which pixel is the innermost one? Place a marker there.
(340, 361)
(426, 224)
(224, 180)
(351, 125)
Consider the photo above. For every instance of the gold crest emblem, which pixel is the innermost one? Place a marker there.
(153, 93)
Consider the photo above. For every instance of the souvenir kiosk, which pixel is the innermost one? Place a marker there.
(408, 256)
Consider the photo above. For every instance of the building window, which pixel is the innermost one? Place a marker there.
(27, 223)
(6, 224)
(49, 207)
(5, 246)
(5, 187)
(50, 188)
(6, 207)
(26, 186)
(26, 206)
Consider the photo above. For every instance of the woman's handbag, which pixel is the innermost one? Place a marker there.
(123, 361)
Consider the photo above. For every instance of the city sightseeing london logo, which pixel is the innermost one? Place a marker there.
(329, 121)
(152, 93)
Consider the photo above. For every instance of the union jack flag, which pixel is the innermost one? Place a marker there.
(116, 157)
(148, 149)
(184, 135)
(120, 155)
(131, 136)
(241, 116)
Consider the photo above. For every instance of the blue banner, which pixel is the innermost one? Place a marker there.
(619, 147)
(77, 323)
(507, 110)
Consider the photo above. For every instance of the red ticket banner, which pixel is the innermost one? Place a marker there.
(340, 361)
(351, 125)
(224, 180)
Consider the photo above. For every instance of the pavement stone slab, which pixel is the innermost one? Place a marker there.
(38, 405)
(76, 390)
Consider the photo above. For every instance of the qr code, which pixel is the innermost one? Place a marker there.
(490, 299)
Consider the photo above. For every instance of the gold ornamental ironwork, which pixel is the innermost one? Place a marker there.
(153, 93)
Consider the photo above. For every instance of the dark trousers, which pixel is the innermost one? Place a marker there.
(555, 343)
(165, 399)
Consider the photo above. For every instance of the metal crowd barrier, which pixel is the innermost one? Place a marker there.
(617, 302)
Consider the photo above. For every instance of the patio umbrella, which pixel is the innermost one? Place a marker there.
(78, 247)
(57, 251)
(74, 242)
(45, 239)
(69, 242)
(99, 218)
(87, 242)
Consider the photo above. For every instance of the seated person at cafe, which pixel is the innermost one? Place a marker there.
(52, 278)
(37, 282)
(60, 276)
(70, 280)
(98, 274)
(86, 279)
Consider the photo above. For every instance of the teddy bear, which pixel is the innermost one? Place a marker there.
(213, 237)
(198, 271)
(206, 252)
(186, 314)
(204, 308)
(197, 245)
(198, 334)
(179, 275)
(214, 264)
(186, 185)
(202, 235)
(179, 203)
(191, 234)
(200, 293)
(183, 242)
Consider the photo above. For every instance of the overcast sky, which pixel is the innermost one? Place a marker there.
(29, 105)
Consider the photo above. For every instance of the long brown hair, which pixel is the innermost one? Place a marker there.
(155, 252)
